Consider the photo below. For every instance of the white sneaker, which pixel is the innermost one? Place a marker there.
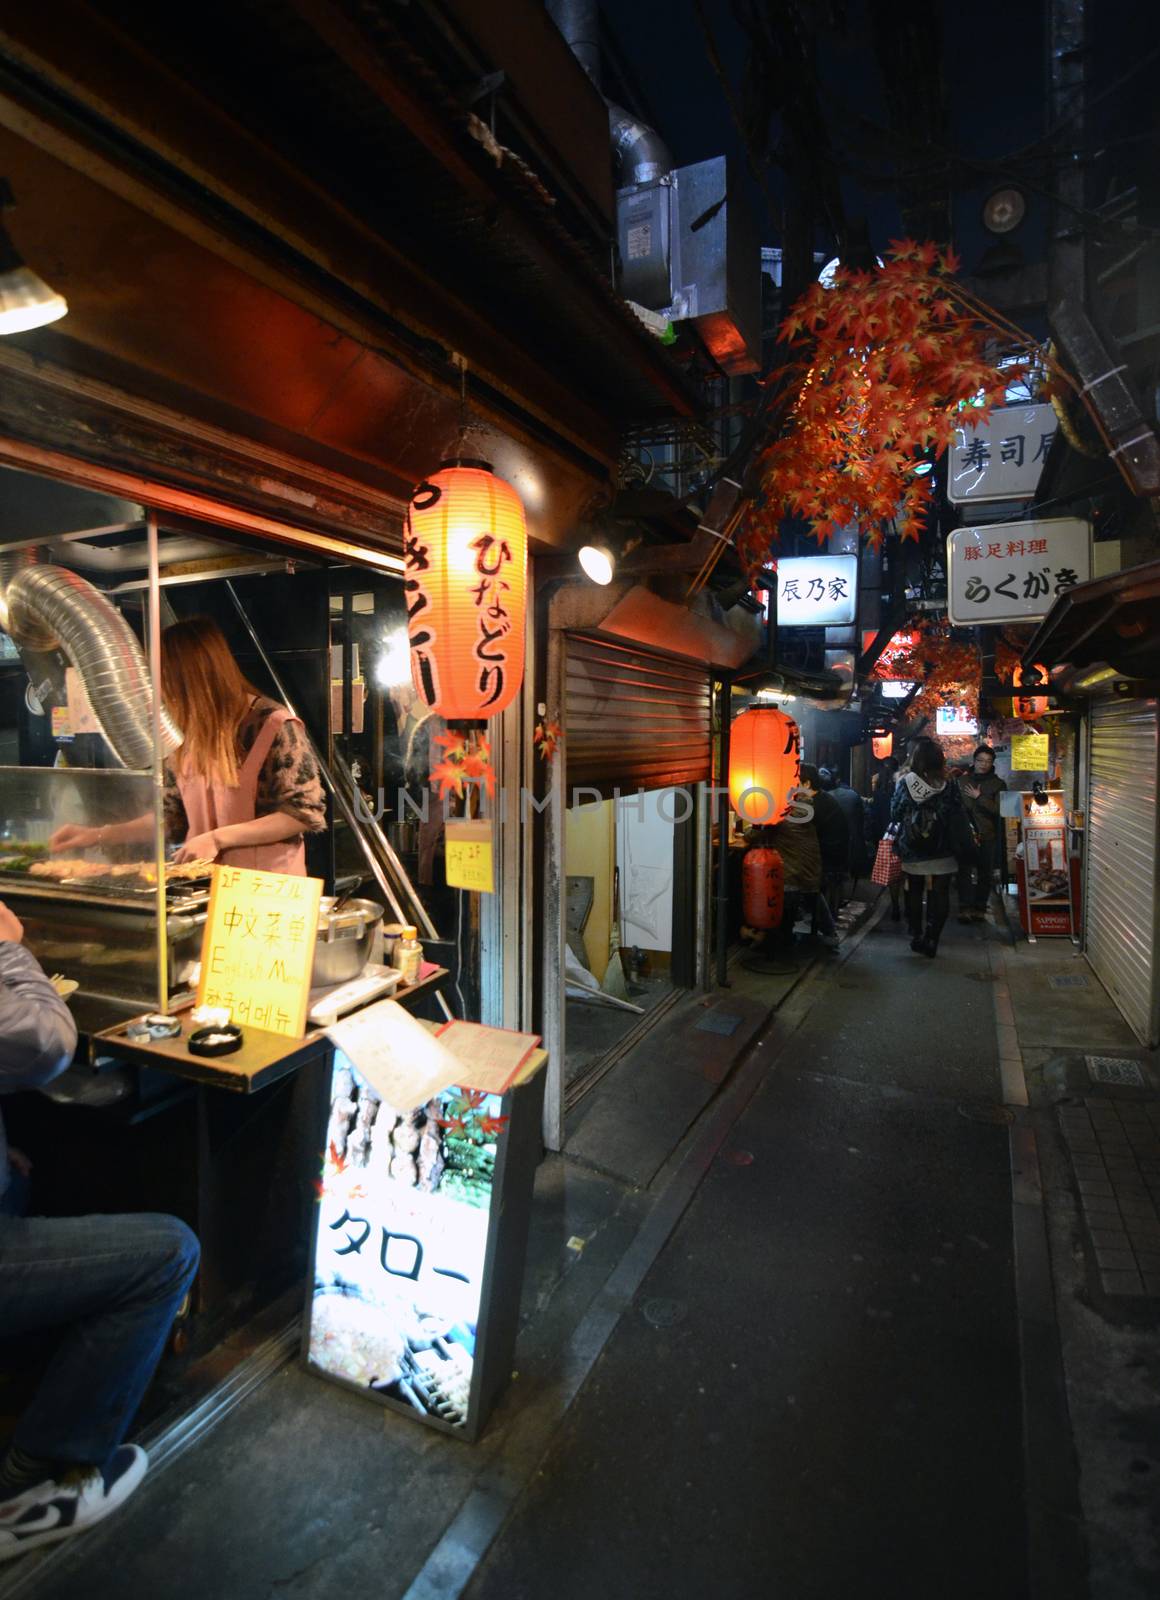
(49, 1511)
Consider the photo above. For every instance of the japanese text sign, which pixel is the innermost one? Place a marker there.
(258, 948)
(470, 864)
(816, 591)
(1014, 571)
(1002, 458)
(1029, 752)
(953, 722)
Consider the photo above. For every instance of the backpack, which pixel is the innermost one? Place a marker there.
(923, 834)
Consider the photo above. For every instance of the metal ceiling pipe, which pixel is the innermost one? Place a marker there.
(48, 607)
(641, 154)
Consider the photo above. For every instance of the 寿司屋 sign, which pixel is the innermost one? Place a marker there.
(1014, 571)
(1001, 458)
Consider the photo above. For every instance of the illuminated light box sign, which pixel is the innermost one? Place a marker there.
(899, 648)
(816, 591)
(952, 722)
(401, 1244)
(1002, 458)
(896, 689)
(420, 1232)
(1014, 571)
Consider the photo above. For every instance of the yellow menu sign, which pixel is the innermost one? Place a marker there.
(1029, 752)
(470, 864)
(258, 949)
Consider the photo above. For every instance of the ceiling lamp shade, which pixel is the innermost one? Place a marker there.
(764, 764)
(465, 562)
(26, 301)
(1029, 707)
(882, 745)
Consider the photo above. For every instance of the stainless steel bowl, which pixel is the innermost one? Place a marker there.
(344, 941)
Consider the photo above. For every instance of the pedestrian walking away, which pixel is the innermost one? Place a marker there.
(934, 837)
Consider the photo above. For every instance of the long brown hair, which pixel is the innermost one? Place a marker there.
(928, 760)
(207, 696)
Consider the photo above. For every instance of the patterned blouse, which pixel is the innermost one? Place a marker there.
(289, 780)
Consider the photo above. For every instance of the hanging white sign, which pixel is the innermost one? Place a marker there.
(1002, 458)
(1014, 571)
(816, 591)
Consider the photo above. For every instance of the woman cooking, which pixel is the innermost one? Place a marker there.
(243, 788)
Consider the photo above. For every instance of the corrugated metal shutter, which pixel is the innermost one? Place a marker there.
(633, 719)
(1122, 878)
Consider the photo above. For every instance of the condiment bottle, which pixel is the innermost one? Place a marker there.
(408, 955)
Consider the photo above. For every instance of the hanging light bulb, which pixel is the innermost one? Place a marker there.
(597, 562)
(26, 301)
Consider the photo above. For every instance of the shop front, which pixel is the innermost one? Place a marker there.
(226, 1119)
(1100, 640)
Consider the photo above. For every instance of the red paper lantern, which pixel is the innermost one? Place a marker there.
(465, 546)
(882, 746)
(762, 888)
(764, 764)
(1029, 706)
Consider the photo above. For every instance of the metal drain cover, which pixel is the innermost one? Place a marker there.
(1069, 980)
(1120, 1070)
(722, 1022)
(664, 1313)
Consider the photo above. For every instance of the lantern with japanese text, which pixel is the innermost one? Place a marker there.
(882, 745)
(762, 888)
(465, 549)
(764, 764)
(1029, 707)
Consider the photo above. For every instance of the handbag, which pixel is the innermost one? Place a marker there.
(887, 866)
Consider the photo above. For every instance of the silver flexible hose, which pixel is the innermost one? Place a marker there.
(49, 607)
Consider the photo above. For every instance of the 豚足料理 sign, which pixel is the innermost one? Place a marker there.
(1014, 571)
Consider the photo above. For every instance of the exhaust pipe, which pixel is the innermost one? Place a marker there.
(50, 608)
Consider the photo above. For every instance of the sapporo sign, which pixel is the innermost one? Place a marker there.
(1014, 571)
(258, 949)
(1003, 457)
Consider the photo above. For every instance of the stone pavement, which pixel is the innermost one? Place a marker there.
(1115, 1151)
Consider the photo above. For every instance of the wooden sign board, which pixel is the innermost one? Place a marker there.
(257, 952)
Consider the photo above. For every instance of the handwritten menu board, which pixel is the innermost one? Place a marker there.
(470, 864)
(1029, 752)
(258, 949)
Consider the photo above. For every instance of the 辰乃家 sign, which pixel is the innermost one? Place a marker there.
(257, 952)
(816, 591)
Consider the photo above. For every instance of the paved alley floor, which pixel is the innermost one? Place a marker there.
(816, 1391)
(810, 1389)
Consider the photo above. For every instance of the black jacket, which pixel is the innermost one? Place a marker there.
(951, 833)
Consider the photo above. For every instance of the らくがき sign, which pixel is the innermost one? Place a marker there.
(257, 951)
(1002, 458)
(816, 591)
(1014, 571)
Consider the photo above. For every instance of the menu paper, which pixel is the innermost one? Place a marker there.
(403, 1063)
(1029, 752)
(468, 855)
(257, 952)
(488, 1058)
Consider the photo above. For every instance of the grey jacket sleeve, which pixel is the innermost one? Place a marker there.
(37, 1033)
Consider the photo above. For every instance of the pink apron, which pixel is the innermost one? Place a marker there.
(216, 805)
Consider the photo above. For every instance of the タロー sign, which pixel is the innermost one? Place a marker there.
(1002, 458)
(1014, 571)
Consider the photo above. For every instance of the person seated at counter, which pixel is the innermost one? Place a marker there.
(244, 787)
(105, 1288)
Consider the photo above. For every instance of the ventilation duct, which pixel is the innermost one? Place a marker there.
(50, 608)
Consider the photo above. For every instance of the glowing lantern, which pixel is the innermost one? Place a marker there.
(762, 888)
(1029, 706)
(764, 764)
(465, 547)
(882, 745)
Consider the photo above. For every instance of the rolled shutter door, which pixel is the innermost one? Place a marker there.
(1122, 880)
(633, 719)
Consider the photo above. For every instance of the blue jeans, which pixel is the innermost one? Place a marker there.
(106, 1288)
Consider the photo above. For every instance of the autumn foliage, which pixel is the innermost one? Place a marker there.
(891, 362)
